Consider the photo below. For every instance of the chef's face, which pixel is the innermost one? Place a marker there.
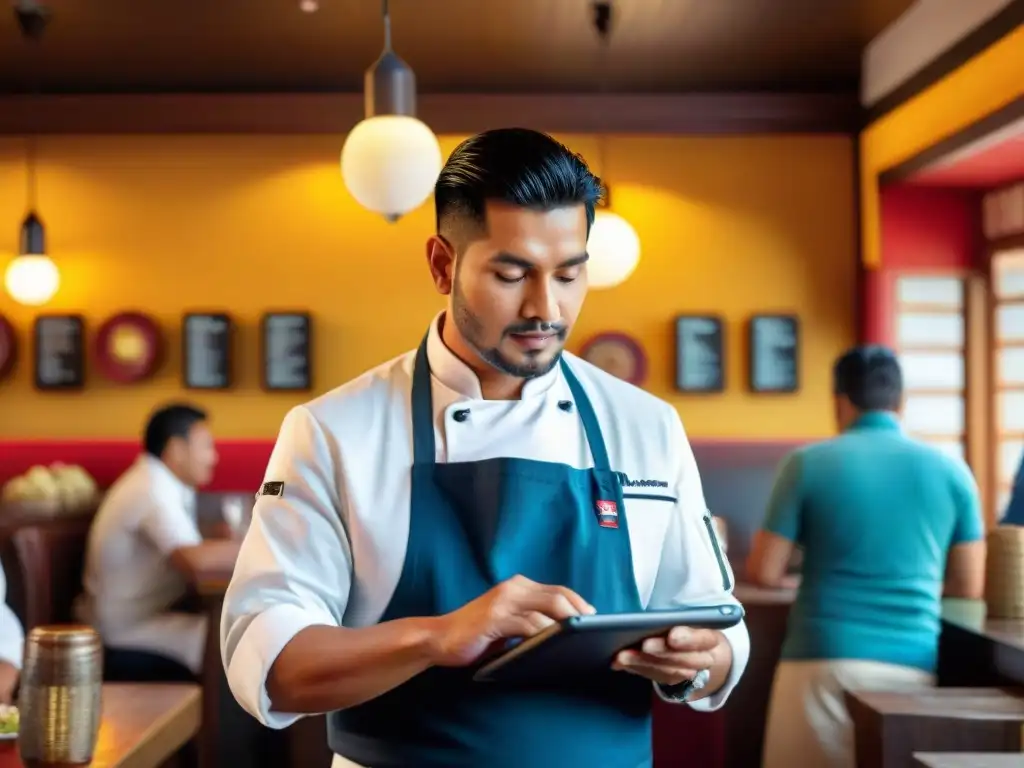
(516, 287)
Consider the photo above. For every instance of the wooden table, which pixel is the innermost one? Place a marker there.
(891, 726)
(143, 725)
(967, 760)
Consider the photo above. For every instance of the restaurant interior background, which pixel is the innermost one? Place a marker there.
(208, 212)
(870, 218)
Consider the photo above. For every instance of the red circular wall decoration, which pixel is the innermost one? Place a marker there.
(128, 347)
(617, 354)
(8, 347)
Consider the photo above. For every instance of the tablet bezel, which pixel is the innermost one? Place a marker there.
(631, 627)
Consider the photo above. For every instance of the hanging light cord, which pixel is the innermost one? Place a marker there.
(30, 173)
(387, 24)
(602, 19)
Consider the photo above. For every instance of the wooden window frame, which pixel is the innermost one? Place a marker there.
(975, 309)
(997, 486)
(901, 308)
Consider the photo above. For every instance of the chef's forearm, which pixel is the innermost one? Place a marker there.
(323, 669)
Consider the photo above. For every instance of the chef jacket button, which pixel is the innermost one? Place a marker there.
(565, 405)
(461, 415)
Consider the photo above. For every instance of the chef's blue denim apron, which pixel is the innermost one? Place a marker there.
(474, 525)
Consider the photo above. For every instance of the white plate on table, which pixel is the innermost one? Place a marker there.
(8, 736)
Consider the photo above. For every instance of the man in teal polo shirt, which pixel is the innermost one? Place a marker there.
(887, 525)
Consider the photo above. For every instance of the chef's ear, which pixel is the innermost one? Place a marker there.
(441, 259)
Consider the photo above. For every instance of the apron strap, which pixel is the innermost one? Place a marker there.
(591, 427)
(423, 446)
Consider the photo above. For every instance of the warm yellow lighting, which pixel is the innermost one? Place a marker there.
(390, 164)
(32, 279)
(614, 249)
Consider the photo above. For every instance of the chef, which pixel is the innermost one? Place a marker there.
(479, 488)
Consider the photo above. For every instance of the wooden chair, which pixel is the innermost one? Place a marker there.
(50, 558)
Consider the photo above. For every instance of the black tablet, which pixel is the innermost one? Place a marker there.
(582, 644)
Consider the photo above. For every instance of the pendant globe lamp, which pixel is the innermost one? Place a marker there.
(391, 160)
(614, 248)
(32, 278)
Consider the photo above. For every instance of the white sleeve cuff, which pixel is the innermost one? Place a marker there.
(739, 640)
(257, 650)
(11, 655)
(12, 637)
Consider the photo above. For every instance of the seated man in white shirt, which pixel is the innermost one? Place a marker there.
(144, 548)
(12, 641)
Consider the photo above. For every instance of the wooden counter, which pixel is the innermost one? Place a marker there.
(752, 595)
(143, 725)
(767, 611)
(975, 650)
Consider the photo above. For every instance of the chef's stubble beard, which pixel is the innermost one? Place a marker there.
(472, 329)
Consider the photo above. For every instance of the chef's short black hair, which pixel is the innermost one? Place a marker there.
(518, 166)
(167, 422)
(870, 377)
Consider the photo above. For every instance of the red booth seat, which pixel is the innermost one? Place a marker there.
(241, 465)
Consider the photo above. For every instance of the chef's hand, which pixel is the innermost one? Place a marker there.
(674, 658)
(8, 682)
(518, 607)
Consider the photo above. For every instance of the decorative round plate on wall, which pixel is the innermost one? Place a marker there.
(617, 354)
(8, 346)
(128, 347)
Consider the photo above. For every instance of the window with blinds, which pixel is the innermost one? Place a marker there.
(930, 341)
(1008, 369)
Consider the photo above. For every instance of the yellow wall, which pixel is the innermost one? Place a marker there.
(246, 224)
(983, 85)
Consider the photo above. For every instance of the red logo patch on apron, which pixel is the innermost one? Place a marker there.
(608, 514)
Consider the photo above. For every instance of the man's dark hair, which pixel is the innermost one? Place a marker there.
(174, 420)
(516, 166)
(870, 377)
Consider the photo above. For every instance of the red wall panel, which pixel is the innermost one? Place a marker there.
(923, 230)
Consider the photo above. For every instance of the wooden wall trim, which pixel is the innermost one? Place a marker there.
(685, 114)
(975, 132)
(947, 62)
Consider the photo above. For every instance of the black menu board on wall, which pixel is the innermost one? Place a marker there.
(206, 351)
(59, 359)
(774, 353)
(285, 339)
(700, 354)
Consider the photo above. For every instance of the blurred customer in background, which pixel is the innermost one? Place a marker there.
(12, 641)
(145, 547)
(1014, 514)
(888, 525)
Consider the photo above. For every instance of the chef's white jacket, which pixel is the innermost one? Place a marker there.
(329, 549)
(12, 636)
